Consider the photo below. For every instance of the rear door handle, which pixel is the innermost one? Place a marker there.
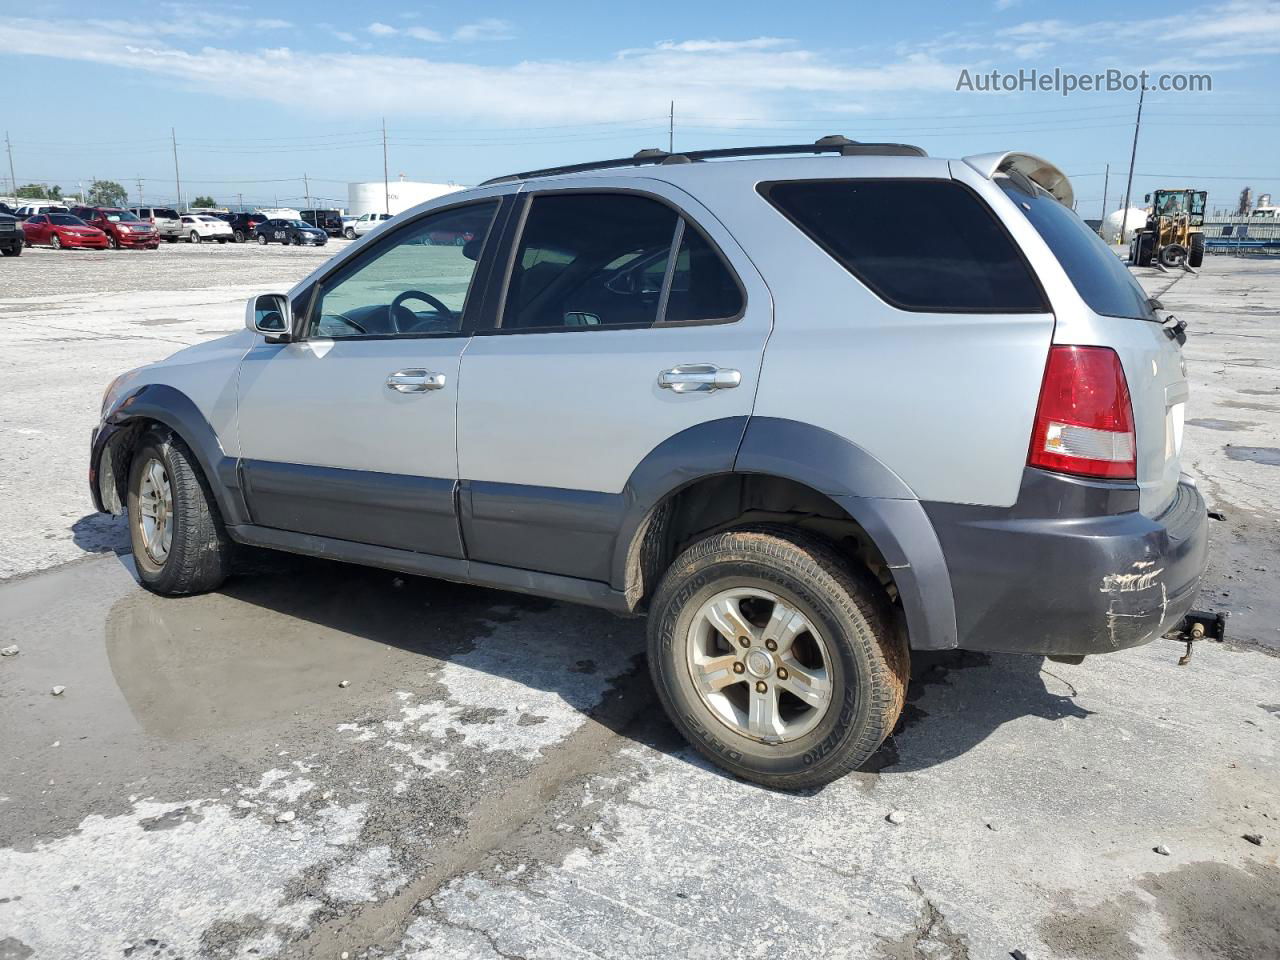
(415, 381)
(698, 378)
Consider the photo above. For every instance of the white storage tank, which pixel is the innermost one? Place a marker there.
(1136, 220)
(398, 195)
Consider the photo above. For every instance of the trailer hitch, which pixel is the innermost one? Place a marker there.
(1196, 626)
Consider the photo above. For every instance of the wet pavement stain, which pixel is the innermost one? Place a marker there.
(1211, 423)
(1270, 456)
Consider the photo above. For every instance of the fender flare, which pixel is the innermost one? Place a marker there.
(173, 408)
(861, 485)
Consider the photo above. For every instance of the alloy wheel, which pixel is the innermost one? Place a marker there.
(155, 506)
(759, 665)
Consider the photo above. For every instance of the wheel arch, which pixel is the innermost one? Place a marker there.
(791, 472)
(160, 405)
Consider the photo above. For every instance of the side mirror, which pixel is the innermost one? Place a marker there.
(1147, 198)
(269, 315)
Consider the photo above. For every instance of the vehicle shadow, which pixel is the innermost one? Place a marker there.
(278, 639)
(101, 533)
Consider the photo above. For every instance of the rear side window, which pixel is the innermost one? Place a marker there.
(605, 260)
(924, 245)
(1102, 281)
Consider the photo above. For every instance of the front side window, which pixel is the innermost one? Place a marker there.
(407, 285)
(604, 260)
(930, 246)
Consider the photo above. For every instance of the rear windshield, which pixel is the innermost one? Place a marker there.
(165, 213)
(923, 245)
(1099, 276)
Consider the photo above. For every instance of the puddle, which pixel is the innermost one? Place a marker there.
(1242, 405)
(1265, 455)
(158, 321)
(1211, 423)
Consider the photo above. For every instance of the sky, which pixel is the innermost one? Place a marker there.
(260, 95)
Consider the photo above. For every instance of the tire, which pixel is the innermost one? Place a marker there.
(194, 237)
(1195, 257)
(1146, 247)
(14, 251)
(1173, 255)
(848, 629)
(239, 236)
(198, 557)
(262, 240)
(56, 242)
(349, 233)
(113, 241)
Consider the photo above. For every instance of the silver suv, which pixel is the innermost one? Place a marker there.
(808, 413)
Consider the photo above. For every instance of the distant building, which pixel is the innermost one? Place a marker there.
(398, 195)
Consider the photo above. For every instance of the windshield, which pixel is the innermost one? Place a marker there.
(120, 216)
(1097, 273)
(65, 220)
(1170, 204)
(300, 223)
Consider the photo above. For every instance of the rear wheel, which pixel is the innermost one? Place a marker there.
(239, 236)
(262, 239)
(1173, 255)
(194, 237)
(1195, 257)
(775, 658)
(179, 543)
(1146, 247)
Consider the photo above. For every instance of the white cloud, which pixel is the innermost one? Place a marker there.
(1005, 4)
(490, 28)
(425, 33)
(756, 78)
(381, 29)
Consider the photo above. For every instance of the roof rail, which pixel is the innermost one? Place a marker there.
(831, 144)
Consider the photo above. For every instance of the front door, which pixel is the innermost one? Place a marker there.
(349, 431)
(626, 322)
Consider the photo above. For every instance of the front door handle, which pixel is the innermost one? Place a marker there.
(415, 381)
(698, 378)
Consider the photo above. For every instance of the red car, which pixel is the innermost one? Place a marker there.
(59, 230)
(123, 229)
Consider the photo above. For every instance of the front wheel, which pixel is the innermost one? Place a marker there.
(1195, 257)
(775, 658)
(114, 241)
(1173, 255)
(56, 242)
(179, 543)
(349, 233)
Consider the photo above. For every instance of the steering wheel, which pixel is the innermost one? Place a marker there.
(398, 302)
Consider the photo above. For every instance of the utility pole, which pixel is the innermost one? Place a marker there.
(13, 179)
(1106, 180)
(240, 197)
(386, 178)
(139, 182)
(177, 178)
(671, 129)
(306, 189)
(1137, 125)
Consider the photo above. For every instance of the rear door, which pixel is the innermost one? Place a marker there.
(628, 317)
(349, 432)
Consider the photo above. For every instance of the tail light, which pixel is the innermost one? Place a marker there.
(1084, 421)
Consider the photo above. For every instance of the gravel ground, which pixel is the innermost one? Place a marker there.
(322, 759)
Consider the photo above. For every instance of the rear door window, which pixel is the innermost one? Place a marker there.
(922, 245)
(1101, 279)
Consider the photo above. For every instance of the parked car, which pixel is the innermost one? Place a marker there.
(365, 223)
(243, 225)
(123, 229)
(62, 230)
(876, 403)
(198, 227)
(330, 221)
(297, 232)
(31, 209)
(166, 220)
(11, 239)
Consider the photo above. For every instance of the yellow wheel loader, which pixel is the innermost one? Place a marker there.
(1173, 235)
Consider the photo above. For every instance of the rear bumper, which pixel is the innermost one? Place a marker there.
(1073, 569)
